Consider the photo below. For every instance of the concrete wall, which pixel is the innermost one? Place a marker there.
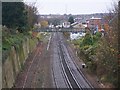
(15, 61)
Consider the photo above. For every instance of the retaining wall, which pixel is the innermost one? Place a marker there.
(15, 61)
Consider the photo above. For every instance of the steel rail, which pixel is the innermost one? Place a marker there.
(72, 82)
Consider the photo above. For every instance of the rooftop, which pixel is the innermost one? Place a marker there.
(95, 18)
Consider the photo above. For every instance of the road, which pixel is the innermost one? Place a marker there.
(52, 66)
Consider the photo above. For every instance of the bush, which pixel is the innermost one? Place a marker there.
(88, 46)
(107, 61)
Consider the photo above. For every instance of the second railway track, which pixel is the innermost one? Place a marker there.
(70, 76)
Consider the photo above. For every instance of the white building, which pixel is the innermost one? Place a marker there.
(66, 24)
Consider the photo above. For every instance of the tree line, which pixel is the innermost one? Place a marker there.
(19, 16)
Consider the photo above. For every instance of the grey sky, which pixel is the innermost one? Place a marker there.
(72, 6)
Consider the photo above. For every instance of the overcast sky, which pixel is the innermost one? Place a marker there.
(72, 6)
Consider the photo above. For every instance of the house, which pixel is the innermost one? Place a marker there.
(78, 25)
(95, 23)
(37, 25)
(78, 20)
(66, 24)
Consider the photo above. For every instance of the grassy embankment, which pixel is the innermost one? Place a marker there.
(16, 39)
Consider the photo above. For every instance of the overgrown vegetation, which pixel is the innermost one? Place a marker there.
(101, 53)
(14, 15)
(18, 20)
(100, 56)
(18, 16)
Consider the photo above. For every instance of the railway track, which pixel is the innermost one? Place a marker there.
(72, 79)
(65, 71)
(29, 82)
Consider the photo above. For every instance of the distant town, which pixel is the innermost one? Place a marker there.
(95, 22)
